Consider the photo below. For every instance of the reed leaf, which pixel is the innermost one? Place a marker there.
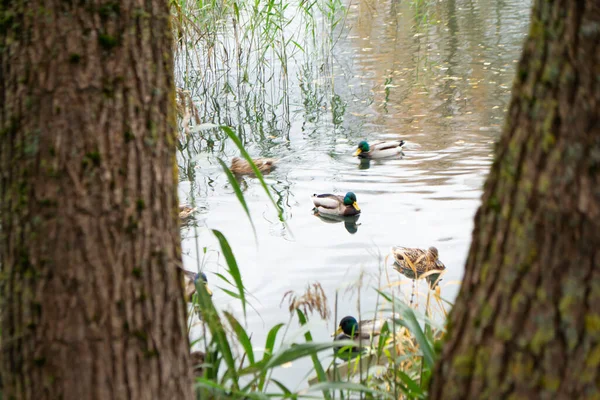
(347, 386)
(409, 321)
(242, 336)
(235, 139)
(315, 359)
(213, 320)
(233, 268)
(238, 193)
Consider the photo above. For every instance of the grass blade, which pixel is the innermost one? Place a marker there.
(211, 316)
(258, 174)
(347, 386)
(238, 193)
(233, 269)
(315, 359)
(243, 337)
(410, 322)
(269, 344)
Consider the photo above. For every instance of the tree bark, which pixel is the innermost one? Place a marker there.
(526, 324)
(92, 301)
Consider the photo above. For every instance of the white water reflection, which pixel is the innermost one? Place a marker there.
(438, 78)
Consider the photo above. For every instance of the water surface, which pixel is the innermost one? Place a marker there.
(437, 76)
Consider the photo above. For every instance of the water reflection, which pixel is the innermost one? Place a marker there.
(349, 221)
(364, 163)
(435, 74)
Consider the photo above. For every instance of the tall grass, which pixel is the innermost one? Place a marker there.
(237, 63)
(397, 365)
(238, 60)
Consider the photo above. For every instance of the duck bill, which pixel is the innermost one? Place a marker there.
(338, 331)
(357, 152)
(208, 290)
(356, 206)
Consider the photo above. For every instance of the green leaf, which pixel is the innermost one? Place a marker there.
(315, 359)
(347, 386)
(282, 387)
(302, 350)
(230, 293)
(414, 390)
(233, 269)
(212, 318)
(269, 344)
(258, 174)
(243, 337)
(410, 322)
(238, 192)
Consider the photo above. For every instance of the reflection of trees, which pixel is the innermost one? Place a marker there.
(426, 70)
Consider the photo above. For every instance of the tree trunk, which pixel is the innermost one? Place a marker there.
(92, 301)
(526, 324)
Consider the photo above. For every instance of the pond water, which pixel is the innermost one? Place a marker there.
(437, 75)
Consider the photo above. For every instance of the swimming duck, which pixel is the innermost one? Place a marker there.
(191, 280)
(417, 261)
(185, 212)
(240, 166)
(379, 149)
(336, 205)
(349, 328)
(362, 333)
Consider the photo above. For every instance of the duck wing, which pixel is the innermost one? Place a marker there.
(410, 258)
(327, 201)
(371, 327)
(381, 145)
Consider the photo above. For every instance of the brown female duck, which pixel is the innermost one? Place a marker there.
(240, 166)
(417, 261)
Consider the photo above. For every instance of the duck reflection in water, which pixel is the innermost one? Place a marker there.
(349, 221)
(365, 163)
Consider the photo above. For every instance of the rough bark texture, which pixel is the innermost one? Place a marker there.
(526, 324)
(92, 302)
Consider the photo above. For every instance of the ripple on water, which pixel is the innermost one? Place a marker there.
(440, 83)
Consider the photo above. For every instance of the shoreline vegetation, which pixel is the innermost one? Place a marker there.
(247, 50)
(397, 363)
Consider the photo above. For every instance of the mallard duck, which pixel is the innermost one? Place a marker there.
(191, 279)
(350, 328)
(362, 333)
(417, 261)
(336, 205)
(240, 166)
(379, 149)
(185, 212)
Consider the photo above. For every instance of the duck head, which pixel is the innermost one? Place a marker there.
(350, 200)
(363, 146)
(201, 277)
(432, 253)
(348, 325)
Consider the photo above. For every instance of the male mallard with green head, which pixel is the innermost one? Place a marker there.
(379, 149)
(336, 205)
(362, 333)
(417, 260)
(191, 280)
(240, 166)
(350, 328)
